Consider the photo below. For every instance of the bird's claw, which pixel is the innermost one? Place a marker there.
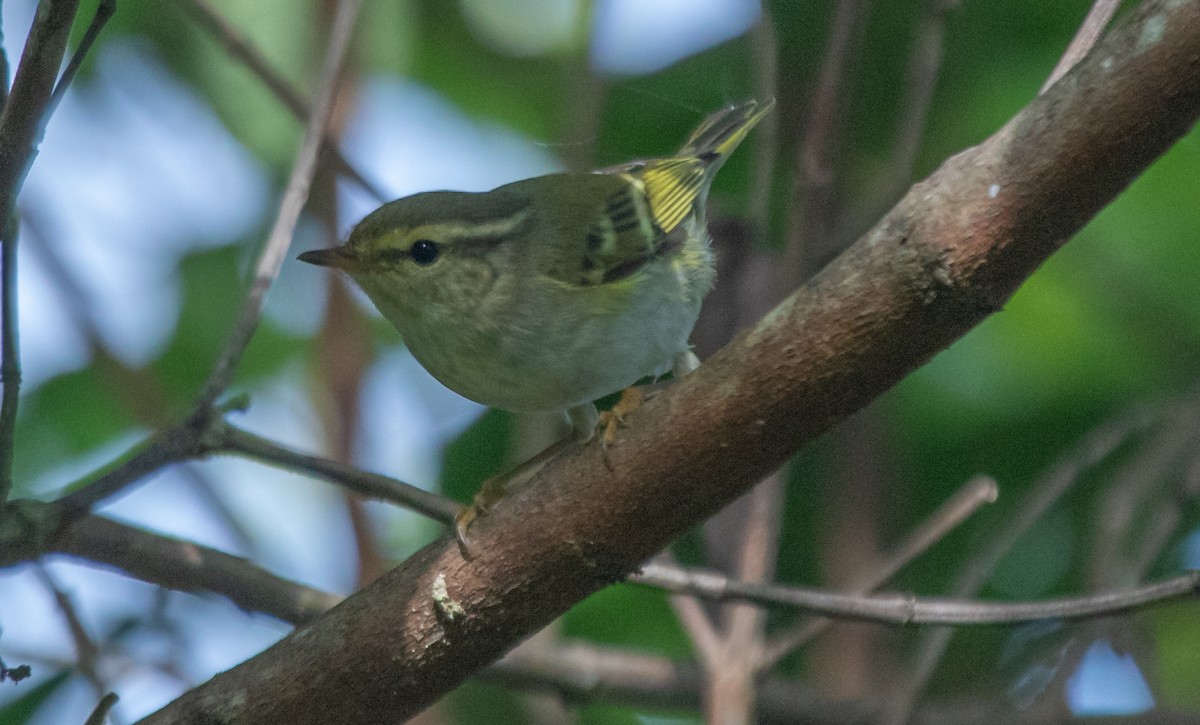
(491, 492)
(614, 418)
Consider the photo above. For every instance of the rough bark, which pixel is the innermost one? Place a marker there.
(950, 253)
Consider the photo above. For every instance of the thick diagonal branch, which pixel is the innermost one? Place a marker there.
(952, 251)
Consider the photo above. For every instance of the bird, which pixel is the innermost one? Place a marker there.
(549, 293)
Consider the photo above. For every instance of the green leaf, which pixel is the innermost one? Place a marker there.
(65, 417)
(23, 708)
(1176, 632)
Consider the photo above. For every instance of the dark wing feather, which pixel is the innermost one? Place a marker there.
(645, 203)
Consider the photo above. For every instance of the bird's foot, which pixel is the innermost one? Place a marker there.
(491, 492)
(614, 418)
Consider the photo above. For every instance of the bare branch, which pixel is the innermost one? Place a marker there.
(906, 609)
(951, 252)
(587, 673)
(924, 69)
(104, 11)
(26, 110)
(698, 625)
(732, 678)
(86, 651)
(1139, 483)
(102, 709)
(952, 513)
(364, 483)
(10, 356)
(188, 440)
(24, 117)
(187, 566)
(236, 44)
(1095, 447)
(814, 207)
(200, 437)
(1089, 32)
(275, 250)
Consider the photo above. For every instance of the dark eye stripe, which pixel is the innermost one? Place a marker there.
(393, 255)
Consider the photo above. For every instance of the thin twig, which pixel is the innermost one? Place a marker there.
(364, 483)
(1166, 517)
(102, 709)
(238, 46)
(924, 69)
(588, 673)
(104, 11)
(1089, 32)
(187, 566)
(48, 35)
(973, 495)
(86, 651)
(905, 609)
(271, 258)
(3, 75)
(1137, 484)
(198, 438)
(950, 515)
(1045, 492)
(701, 631)
(813, 206)
(172, 445)
(10, 363)
(731, 682)
(22, 122)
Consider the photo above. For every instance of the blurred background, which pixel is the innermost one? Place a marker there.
(160, 175)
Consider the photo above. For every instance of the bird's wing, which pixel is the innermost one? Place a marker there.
(640, 219)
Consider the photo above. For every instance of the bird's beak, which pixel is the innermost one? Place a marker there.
(342, 257)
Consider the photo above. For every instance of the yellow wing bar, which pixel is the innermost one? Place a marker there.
(672, 186)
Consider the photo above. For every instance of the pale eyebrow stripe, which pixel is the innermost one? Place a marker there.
(488, 234)
(496, 227)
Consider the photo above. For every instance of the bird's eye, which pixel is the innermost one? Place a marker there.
(424, 252)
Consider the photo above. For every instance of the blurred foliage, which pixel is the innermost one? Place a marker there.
(26, 706)
(1110, 321)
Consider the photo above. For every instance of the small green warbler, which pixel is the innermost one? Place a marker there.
(551, 292)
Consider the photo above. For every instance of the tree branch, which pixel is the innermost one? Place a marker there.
(954, 511)
(270, 260)
(356, 480)
(99, 715)
(906, 609)
(953, 250)
(1089, 32)
(23, 118)
(190, 567)
(236, 44)
(1044, 493)
(104, 11)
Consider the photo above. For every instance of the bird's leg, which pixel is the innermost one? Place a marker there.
(614, 418)
(632, 398)
(583, 426)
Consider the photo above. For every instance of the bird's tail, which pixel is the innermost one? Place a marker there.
(722, 131)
